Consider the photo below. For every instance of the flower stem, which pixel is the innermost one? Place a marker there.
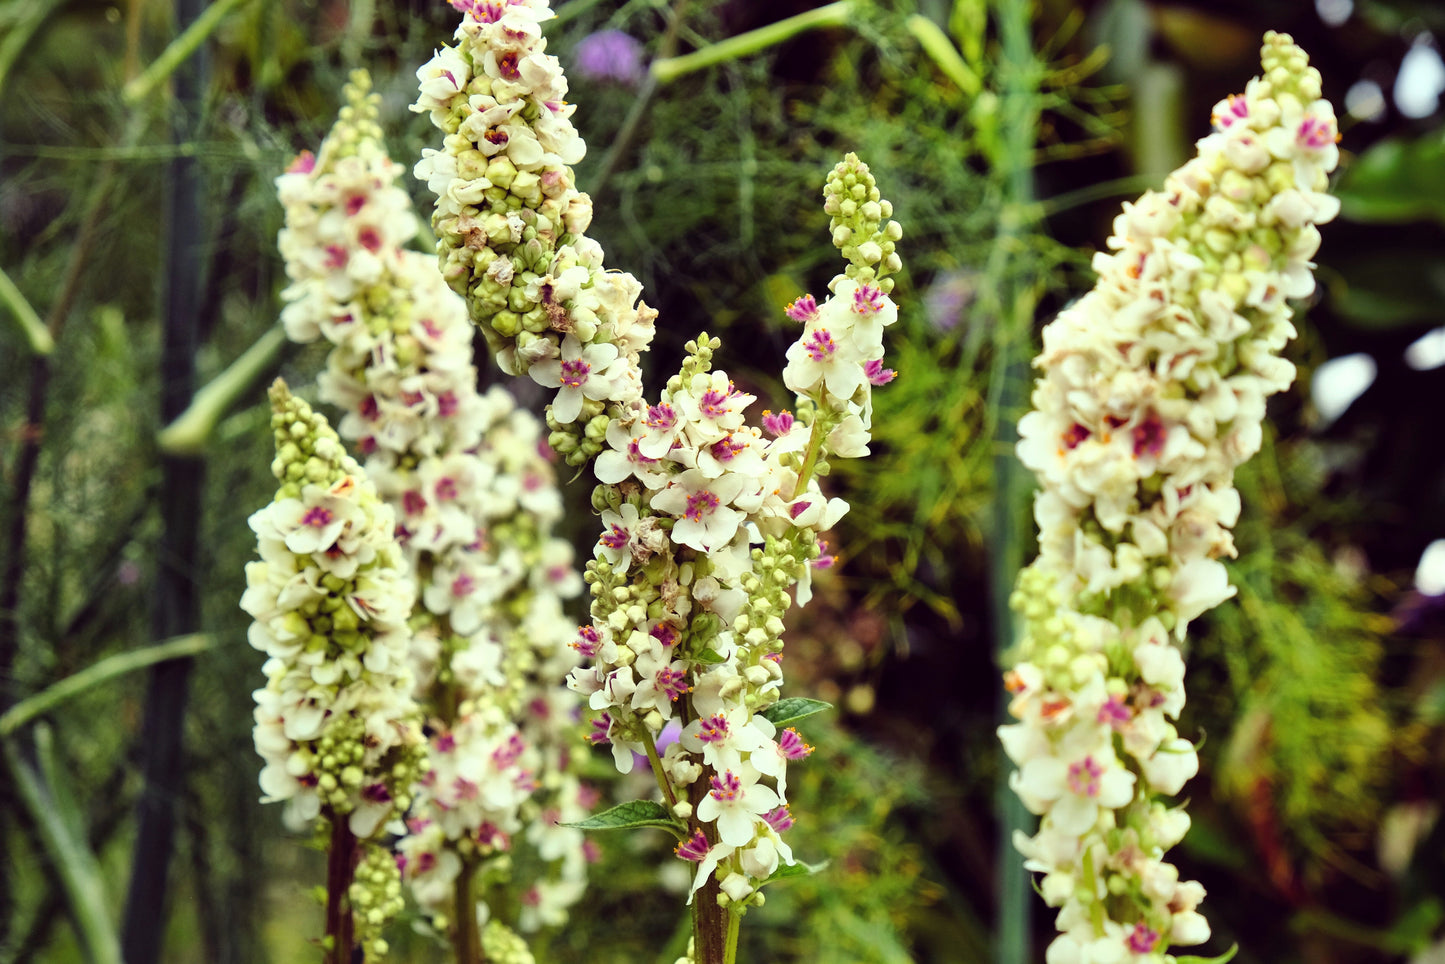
(659, 772)
(730, 950)
(667, 69)
(466, 938)
(341, 859)
(810, 461)
(179, 50)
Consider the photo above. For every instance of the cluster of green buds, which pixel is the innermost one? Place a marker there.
(336, 723)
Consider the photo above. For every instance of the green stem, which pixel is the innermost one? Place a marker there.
(1013, 300)
(730, 951)
(659, 772)
(95, 674)
(1096, 906)
(187, 435)
(640, 105)
(26, 317)
(17, 39)
(79, 871)
(810, 460)
(180, 49)
(945, 55)
(668, 69)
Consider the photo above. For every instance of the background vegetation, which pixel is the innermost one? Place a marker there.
(138, 225)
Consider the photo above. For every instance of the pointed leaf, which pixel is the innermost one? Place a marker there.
(792, 709)
(634, 813)
(1226, 956)
(799, 869)
(708, 656)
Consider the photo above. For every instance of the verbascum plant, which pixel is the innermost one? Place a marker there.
(708, 520)
(475, 500)
(1152, 392)
(336, 723)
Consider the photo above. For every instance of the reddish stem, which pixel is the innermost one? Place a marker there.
(341, 860)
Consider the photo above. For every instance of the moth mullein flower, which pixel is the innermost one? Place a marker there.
(1151, 393)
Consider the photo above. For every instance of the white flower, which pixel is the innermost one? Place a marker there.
(735, 801)
(580, 372)
(705, 517)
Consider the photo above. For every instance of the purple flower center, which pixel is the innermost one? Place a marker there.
(317, 517)
(805, 309)
(588, 639)
(574, 373)
(726, 788)
(694, 849)
(714, 729)
(778, 424)
(1142, 939)
(1084, 777)
(617, 538)
(714, 404)
(507, 754)
(867, 300)
(820, 346)
(792, 746)
(780, 819)
(662, 416)
(700, 504)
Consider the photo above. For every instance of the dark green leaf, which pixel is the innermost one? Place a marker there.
(634, 813)
(1388, 287)
(798, 869)
(1226, 956)
(1396, 180)
(792, 709)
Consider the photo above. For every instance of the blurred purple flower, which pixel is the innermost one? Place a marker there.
(610, 55)
(948, 298)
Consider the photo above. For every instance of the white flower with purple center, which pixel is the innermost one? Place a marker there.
(818, 361)
(624, 456)
(620, 528)
(664, 425)
(1072, 793)
(736, 800)
(579, 373)
(702, 507)
(722, 738)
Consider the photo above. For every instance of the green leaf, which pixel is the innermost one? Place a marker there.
(179, 647)
(1388, 287)
(793, 709)
(634, 813)
(1226, 956)
(1396, 181)
(799, 869)
(708, 656)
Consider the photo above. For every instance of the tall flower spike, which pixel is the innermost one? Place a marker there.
(510, 223)
(706, 524)
(336, 723)
(475, 501)
(1152, 392)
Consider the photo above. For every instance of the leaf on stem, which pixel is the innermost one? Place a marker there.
(1226, 956)
(793, 709)
(799, 869)
(634, 813)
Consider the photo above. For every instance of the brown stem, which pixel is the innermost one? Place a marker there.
(466, 938)
(341, 860)
(709, 921)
